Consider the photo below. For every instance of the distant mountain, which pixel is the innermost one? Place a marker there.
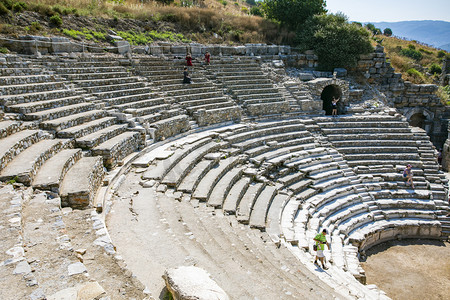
(435, 33)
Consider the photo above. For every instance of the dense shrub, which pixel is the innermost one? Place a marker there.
(256, 11)
(3, 9)
(435, 69)
(19, 7)
(56, 20)
(336, 42)
(7, 3)
(292, 13)
(417, 75)
(4, 50)
(441, 53)
(412, 53)
(387, 31)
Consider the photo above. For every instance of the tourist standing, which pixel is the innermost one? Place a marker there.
(186, 77)
(334, 106)
(408, 174)
(321, 241)
(207, 58)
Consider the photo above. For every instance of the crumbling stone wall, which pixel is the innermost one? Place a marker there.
(446, 153)
(407, 97)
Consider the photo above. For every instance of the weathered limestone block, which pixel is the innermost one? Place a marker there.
(214, 116)
(170, 127)
(62, 44)
(178, 50)
(122, 47)
(195, 49)
(188, 283)
(156, 50)
(270, 108)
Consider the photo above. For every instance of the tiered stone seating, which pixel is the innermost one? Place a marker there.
(201, 99)
(248, 85)
(91, 127)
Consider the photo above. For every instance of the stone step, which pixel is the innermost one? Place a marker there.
(255, 90)
(248, 199)
(93, 76)
(378, 149)
(271, 138)
(124, 92)
(94, 139)
(51, 173)
(174, 177)
(96, 83)
(60, 112)
(273, 221)
(268, 129)
(370, 130)
(81, 182)
(24, 166)
(32, 107)
(126, 99)
(164, 166)
(379, 136)
(206, 185)
(9, 100)
(147, 103)
(204, 101)
(88, 69)
(87, 128)
(188, 89)
(73, 120)
(374, 143)
(14, 144)
(223, 187)
(205, 95)
(8, 127)
(151, 109)
(210, 106)
(191, 180)
(25, 79)
(360, 124)
(114, 87)
(261, 207)
(400, 157)
(20, 71)
(118, 147)
(248, 98)
(17, 89)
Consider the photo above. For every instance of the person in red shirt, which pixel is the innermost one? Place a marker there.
(188, 60)
(207, 58)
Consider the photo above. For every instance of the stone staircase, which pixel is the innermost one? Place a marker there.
(244, 80)
(201, 99)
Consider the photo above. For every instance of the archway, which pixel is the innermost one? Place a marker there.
(327, 95)
(418, 120)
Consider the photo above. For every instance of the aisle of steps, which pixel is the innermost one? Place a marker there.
(201, 99)
(248, 85)
(301, 101)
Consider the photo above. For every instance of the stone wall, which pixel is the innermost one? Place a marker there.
(446, 153)
(408, 98)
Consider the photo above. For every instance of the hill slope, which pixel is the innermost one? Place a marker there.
(436, 33)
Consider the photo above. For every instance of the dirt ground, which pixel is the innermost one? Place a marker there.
(410, 269)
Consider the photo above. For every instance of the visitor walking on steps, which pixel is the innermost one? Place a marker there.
(334, 106)
(207, 58)
(408, 174)
(321, 241)
(186, 77)
(188, 60)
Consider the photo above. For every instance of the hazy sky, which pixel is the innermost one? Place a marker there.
(391, 10)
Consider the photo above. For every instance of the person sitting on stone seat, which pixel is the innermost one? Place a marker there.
(408, 174)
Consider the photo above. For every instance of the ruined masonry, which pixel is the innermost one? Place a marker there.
(244, 140)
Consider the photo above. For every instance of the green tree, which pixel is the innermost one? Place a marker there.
(373, 29)
(336, 42)
(292, 13)
(387, 32)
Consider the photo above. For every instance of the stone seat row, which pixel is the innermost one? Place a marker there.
(35, 158)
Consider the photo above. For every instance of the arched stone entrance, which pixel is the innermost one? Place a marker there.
(418, 120)
(420, 117)
(327, 95)
(323, 89)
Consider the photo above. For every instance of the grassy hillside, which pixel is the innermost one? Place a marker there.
(203, 21)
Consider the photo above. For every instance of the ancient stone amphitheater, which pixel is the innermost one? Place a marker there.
(234, 173)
